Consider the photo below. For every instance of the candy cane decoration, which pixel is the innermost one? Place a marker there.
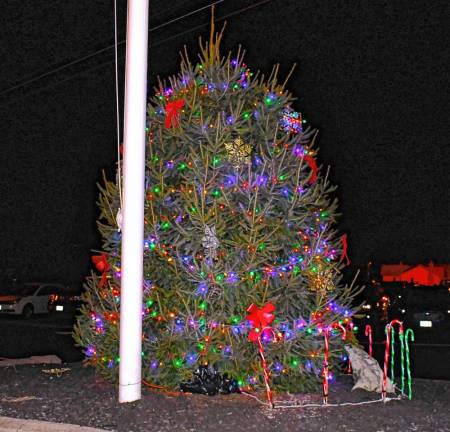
(349, 327)
(408, 333)
(342, 329)
(260, 319)
(402, 359)
(265, 373)
(325, 371)
(392, 354)
(386, 353)
(368, 333)
(386, 360)
(325, 367)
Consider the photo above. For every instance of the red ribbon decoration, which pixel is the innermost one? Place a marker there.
(313, 165)
(173, 113)
(344, 249)
(102, 265)
(261, 318)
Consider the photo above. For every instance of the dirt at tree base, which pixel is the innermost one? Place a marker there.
(80, 396)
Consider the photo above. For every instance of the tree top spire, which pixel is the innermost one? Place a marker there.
(211, 50)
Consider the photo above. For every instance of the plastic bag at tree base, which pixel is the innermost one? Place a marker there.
(207, 380)
(366, 371)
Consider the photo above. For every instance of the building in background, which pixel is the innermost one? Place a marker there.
(421, 274)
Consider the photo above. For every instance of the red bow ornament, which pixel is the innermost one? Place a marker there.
(260, 319)
(313, 165)
(102, 265)
(173, 113)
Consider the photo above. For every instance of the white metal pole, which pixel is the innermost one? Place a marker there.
(133, 202)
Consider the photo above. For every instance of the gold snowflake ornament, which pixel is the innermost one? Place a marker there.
(238, 152)
(321, 281)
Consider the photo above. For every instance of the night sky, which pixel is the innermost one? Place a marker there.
(372, 76)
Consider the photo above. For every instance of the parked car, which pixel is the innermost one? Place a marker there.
(428, 318)
(30, 299)
(69, 301)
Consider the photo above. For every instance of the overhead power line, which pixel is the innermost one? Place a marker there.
(102, 50)
(111, 47)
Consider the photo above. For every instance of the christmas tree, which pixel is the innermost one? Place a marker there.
(239, 245)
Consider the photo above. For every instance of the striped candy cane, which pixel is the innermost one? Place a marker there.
(386, 360)
(265, 373)
(342, 329)
(368, 333)
(325, 366)
(325, 370)
(402, 347)
(409, 334)
(349, 327)
(389, 337)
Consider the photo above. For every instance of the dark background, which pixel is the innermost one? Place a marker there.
(371, 75)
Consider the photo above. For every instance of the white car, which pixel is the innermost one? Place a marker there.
(30, 299)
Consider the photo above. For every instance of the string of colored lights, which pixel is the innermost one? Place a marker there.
(183, 327)
(205, 175)
(237, 327)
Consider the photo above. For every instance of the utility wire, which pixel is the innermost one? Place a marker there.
(154, 44)
(109, 47)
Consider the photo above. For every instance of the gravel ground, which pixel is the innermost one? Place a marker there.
(81, 397)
